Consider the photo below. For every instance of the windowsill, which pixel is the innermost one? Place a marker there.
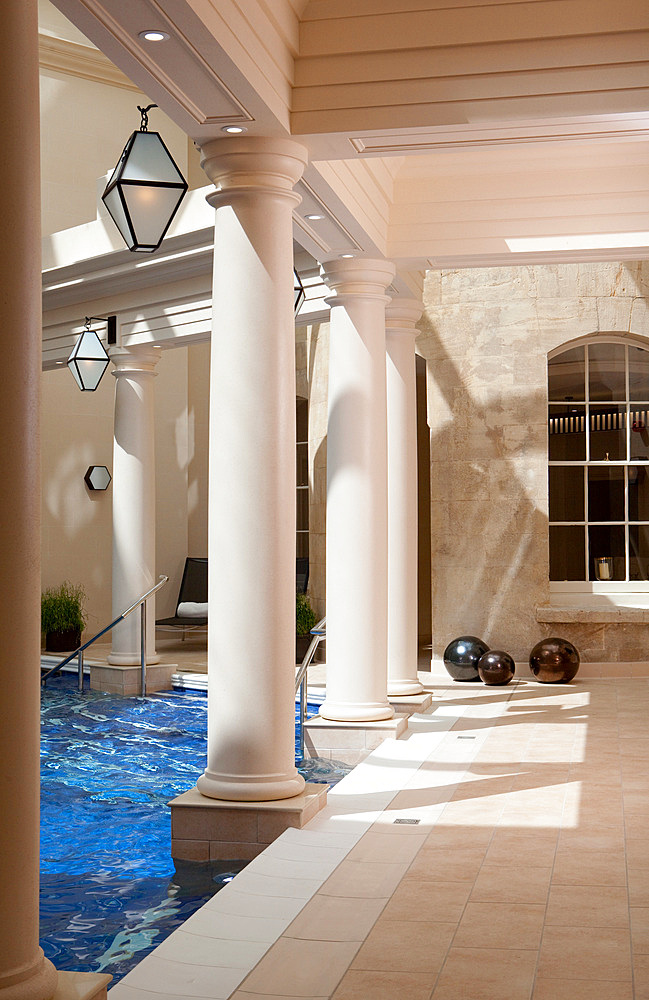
(596, 609)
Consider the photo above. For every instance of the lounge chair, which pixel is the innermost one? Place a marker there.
(191, 608)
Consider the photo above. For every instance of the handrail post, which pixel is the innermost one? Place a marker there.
(143, 647)
(80, 659)
(302, 714)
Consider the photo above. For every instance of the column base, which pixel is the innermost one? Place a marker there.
(205, 829)
(131, 659)
(349, 742)
(39, 983)
(259, 788)
(82, 986)
(399, 688)
(126, 681)
(356, 711)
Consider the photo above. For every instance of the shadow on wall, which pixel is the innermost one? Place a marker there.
(489, 519)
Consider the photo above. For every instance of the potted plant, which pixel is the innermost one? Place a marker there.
(305, 619)
(63, 617)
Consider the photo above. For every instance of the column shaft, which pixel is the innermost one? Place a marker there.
(24, 972)
(357, 493)
(401, 317)
(133, 499)
(251, 637)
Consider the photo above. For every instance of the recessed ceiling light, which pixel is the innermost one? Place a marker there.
(234, 129)
(314, 218)
(154, 36)
(346, 256)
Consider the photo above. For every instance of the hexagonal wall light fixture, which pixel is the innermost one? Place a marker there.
(97, 477)
(145, 189)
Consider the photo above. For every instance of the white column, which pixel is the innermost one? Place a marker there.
(401, 316)
(251, 539)
(133, 499)
(24, 973)
(357, 593)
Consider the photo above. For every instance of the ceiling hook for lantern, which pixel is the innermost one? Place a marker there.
(144, 124)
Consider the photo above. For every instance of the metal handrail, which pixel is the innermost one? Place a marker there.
(319, 633)
(140, 603)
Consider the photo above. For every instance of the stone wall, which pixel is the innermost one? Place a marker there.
(485, 335)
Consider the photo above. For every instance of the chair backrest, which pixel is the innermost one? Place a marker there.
(193, 587)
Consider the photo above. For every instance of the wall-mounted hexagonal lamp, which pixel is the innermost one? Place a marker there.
(97, 477)
(299, 294)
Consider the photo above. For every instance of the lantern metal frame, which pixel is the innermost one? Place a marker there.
(120, 182)
(89, 348)
(299, 295)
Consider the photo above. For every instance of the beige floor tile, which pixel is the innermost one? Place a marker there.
(295, 968)
(571, 989)
(405, 946)
(511, 847)
(640, 929)
(334, 918)
(445, 835)
(365, 879)
(638, 885)
(523, 884)
(358, 984)
(481, 974)
(641, 977)
(500, 925)
(581, 953)
(588, 906)
(386, 847)
(577, 866)
(438, 901)
(455, 865)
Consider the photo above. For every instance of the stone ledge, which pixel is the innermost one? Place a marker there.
(349, 742)
(411, 703)
(204, 828)
(82, 986)
(125, 680)
(570, 614)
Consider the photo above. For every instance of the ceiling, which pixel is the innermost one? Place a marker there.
(437, 130)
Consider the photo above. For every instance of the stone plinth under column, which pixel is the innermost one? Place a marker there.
(349, 742)
(410, 703)
(127, 680)
(82, 986)
(204, 829)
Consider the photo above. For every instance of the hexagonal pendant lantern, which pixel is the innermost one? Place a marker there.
(145, 189)
(88, 360)
(298, 292)
(97, 477)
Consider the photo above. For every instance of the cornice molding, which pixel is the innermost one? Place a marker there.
(82, 61)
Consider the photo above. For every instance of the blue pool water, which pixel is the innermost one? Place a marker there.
(110, 891)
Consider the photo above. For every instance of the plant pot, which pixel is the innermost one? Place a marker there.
(302, 643)
(63, 642)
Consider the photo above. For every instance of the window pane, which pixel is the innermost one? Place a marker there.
(606, 378)
(638, 493)
(566, 493)
(606, 493)
(302, 547)
(302, 465)
(302, 418)
(607, 433)
(639, 417)
(566, 434)
(639, 552)
(606, 552)
(567, 375)
(302, 510)
(638, 373)
(567, 546)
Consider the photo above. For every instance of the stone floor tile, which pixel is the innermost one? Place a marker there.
(584, 953)
(500, 925)
(438, 901)
(484, 974)
(358, 984)
(522, 884)
(588, 906)
(404, 946)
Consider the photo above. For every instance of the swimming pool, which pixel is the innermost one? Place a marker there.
(110, 891)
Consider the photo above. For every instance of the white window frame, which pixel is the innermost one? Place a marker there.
(614, 590)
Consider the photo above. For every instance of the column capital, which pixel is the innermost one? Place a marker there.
(357, 277)
(402, 316)
(246, 164)
(140, 359)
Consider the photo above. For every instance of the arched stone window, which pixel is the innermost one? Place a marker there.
(598, 449)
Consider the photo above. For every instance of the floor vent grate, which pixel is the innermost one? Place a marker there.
(409, 822)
